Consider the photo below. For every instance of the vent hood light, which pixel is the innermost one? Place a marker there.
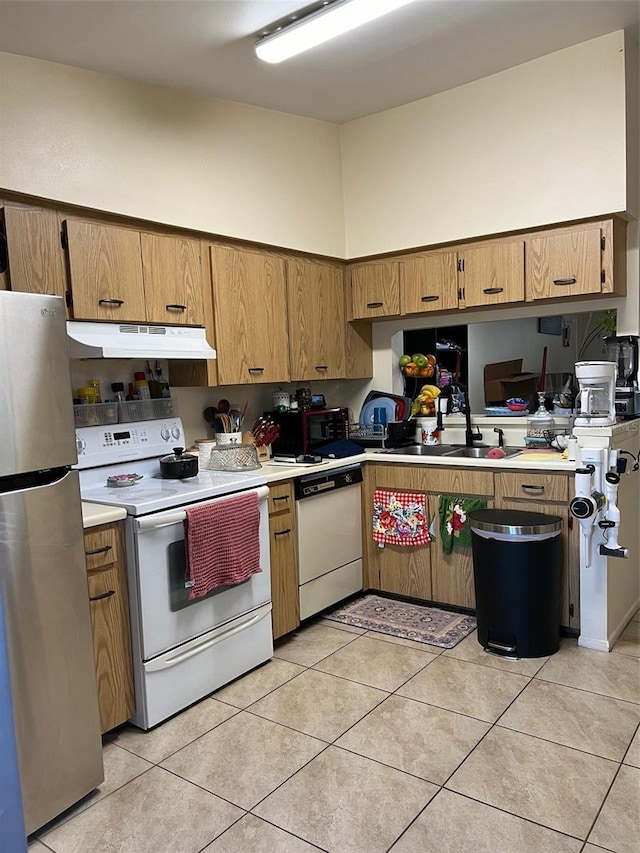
(133, 340)
(331, 20)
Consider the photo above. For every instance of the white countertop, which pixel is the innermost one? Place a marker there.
(95, 514)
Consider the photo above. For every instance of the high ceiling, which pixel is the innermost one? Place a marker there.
(206, 46)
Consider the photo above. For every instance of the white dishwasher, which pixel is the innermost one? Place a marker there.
(328, 508)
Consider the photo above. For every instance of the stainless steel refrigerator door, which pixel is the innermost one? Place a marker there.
(50, 648)
(36, 405)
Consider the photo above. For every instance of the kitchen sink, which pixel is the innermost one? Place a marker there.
(481, 452)
(420, 450)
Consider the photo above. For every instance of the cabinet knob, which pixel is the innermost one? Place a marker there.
(175, 307)
(102, 595)
(114, 302)
(493, 289)
(560, 282)
(433, 298)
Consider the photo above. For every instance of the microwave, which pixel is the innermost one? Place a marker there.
(306, 432)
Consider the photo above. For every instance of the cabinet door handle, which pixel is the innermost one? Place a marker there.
(282, 532)
(375, 304)
(433, 298)
(281, 498)
(175, 307)
(493, 289)
(116, 302)
(255, 369)
(102, 550)
(528, 487)
(560, 282)
(322, 366)
(102, 595)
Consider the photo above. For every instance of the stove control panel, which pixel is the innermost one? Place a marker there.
(105, 445)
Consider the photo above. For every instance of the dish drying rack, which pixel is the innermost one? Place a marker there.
(369, 436)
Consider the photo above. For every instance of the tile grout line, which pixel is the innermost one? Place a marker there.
(606, 796)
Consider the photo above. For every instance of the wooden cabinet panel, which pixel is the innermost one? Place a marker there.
(101, 547)
(250, 316)
(375, 290)
(429, 283)
(105, 266)
(109, 603)
(172, 280)
(525, 485)
(421, 478)
(281, 497)
(285, 614)
(316, 314)
(493, 274)
(566, 264)
(36, 258)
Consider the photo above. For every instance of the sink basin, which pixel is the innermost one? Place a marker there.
(420, 450)
(481, 452)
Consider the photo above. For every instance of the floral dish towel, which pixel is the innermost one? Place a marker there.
(399, 518)
(454, 527)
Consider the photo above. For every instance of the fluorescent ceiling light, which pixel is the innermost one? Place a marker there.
(330, 21)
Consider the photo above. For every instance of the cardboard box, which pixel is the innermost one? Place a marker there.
(505, 379)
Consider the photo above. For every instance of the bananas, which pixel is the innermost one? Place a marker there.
(429, 391)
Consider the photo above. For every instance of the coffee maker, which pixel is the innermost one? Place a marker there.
(596, 398)
(623, 351)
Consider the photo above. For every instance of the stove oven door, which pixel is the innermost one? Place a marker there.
(166, 617)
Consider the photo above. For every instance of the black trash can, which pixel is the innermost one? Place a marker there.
(517, 566)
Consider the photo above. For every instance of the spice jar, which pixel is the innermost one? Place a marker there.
(142, 386)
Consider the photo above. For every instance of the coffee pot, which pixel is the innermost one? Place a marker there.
(596, 398)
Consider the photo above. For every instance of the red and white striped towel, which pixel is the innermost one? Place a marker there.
(223, 543)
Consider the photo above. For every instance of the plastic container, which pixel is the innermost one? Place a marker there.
(97, 395)
(146, 410)
(95, 414)
(517, 565)
(142, 386)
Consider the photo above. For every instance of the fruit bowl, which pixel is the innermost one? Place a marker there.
(517, 404)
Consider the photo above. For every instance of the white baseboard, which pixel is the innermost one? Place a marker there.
(591, 643)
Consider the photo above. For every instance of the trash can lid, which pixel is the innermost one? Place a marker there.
(513, 522)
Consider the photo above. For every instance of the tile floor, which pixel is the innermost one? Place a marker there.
(354, 742)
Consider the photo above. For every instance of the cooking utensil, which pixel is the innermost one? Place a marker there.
(178, 465)
(543, 371)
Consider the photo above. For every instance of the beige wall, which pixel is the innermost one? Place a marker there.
(539, 143)
(170, 156)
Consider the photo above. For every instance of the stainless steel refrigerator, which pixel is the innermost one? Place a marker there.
(42, 568)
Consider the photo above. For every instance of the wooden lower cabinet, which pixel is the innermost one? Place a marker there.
(285, 614)
(109, 601)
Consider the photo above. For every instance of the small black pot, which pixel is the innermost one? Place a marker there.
(179, 465)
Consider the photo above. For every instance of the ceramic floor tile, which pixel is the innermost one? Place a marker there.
(470, 650)
(311, 644)
(612, 675)
(633, 754)
(636, 618)
(120, 767)
(410, 644)
(351, 629)
(378, 664)
(550, 784)
(417, 738)
(629, 641)
(38, 847)
(345, 803)
(257, 836)
(618, 824)
(244, 759)
(319, 704)
(587, 721)
(455, 824)
(456, 685)
(159, 743)
(254, 685)
(155, 813)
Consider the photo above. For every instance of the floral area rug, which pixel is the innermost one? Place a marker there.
(409, 621)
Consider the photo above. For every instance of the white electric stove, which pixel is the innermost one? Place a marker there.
(183, 649)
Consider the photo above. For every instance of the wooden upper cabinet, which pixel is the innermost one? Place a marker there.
(493, 274)
(316, 313)
(375, 290)
(105, 266)
(36, 258)
(172, 280)
(429, 283)
(250, 310)
(567, 264)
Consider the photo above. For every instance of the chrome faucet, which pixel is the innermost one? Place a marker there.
(469, 436)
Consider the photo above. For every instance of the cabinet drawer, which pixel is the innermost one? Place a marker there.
(462, 481)
(533, 487)
(280, 497)
(100, 547)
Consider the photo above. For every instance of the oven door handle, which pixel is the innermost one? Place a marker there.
(166, 519)
(166, 662)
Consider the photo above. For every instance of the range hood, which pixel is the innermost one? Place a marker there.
(136, 340)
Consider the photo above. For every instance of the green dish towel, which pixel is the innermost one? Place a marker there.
(453, 511)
